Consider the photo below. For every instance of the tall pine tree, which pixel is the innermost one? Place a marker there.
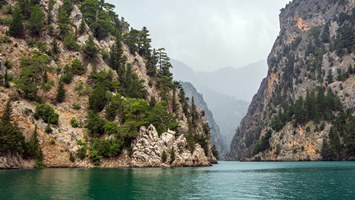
(16, 28)
(36, 23)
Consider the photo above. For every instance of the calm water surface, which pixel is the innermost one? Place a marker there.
(227, 180)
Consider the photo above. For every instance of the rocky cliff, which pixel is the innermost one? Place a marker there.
(304, 109)
(216, 137)
(80, 88)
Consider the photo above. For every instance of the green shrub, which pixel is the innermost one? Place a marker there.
(172, 155)
(48, 129)
(76, 106)
(81, 152)
(111, 128)
(60, 93)
(42, 46)
(95, 158)
(71, 157)
(90, 50)
(8, 9)
(16, 28)
(6, 21)
(74, 123)
(95, 125)
(46, 113)
(164, 157)
(98, 99)
(77, 67)
(67, 75)
(36, 22)
(70, 42)
(263, 144)
(107, 148)
(114, 107)
(11, 139)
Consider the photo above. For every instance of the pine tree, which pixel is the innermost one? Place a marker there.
(117, 58)
(6, 116)
(90, 50)
(151, 64)
(144, 47)
(60, 93)
(36, 23)
(330, 77)
(25, 7)
(6, 79)
(164, 157)
(164, 64)
(193, 112)
(55, 48)
(11, 139)
(172, 155)
(82, 27)
(16, 28)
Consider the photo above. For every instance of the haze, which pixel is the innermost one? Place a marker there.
(207, 34)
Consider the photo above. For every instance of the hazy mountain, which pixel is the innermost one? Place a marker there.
(241, 83)
(216, 138)
(227, 110)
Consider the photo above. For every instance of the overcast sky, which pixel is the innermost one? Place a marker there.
(207, 34)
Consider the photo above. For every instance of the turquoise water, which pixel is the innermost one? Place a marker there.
(227, 180)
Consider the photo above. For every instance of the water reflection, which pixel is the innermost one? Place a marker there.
(228, 180)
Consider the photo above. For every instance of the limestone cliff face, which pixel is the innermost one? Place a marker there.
(314, 51)
(146, 150)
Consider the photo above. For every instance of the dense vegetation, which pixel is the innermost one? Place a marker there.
(12, 139)
(319, 107)
(117, 94)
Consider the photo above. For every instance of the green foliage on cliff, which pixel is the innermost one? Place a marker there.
(70, 42)
(12, 139)
(46, 113)
(36, 22)
(99, 16)
(90, 50)
(81, 153)
(60, 93)
(16, 27)
(345, 40)
(33, 149)
(106, 148)
(263, 144)
(321, 106)
(33, 72)
(316, 107)
(63, 17)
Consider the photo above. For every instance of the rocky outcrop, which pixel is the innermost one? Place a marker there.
(312, 51)
(15, 161)
(149, 147)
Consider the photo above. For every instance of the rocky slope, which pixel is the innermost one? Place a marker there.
(216, 137)
(304, 108)
(86, 133)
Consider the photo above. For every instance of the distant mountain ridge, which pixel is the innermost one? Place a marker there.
(241, 83)
(216, 88)
(216, 138)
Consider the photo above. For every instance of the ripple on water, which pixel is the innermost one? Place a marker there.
(227, 180)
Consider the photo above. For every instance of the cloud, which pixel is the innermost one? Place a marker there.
(207, 34)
